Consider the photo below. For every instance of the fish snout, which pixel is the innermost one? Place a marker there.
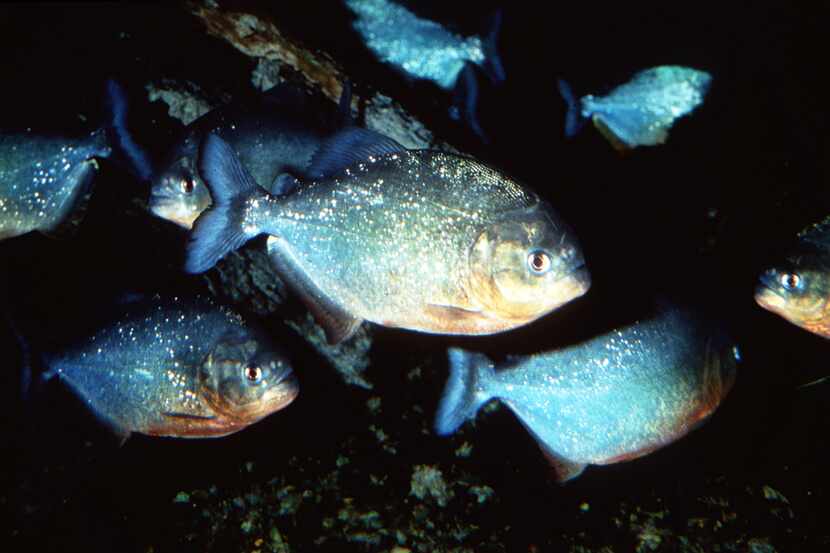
(167, 203)
(283, 390)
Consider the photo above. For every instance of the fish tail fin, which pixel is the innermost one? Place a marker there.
(344, 106)
(492, 61)
(136, 158)
(465, 391)
(573, 118)
(220, 229)
(465, 100)
(31, 363)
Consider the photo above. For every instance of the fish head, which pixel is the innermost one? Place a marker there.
(526, 265)
(798, 290)
(244, 381)
(178, 194)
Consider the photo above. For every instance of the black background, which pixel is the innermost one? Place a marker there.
(754, 155)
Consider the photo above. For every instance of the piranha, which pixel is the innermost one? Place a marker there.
(423, 49)
(798, 289)
(171, 367)
(45, 180)
(274, 136)
(612, 398)
(641, 111)
(418, 239)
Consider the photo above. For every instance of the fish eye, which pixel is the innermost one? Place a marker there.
(187, 185)
(790, 281)
(253, 373)
(539, 262)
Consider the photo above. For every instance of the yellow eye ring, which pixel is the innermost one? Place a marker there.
(538, 262)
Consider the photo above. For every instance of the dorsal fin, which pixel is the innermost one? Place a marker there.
(348, 147)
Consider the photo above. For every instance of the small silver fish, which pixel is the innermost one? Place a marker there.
(612, 398)
(422, 48)
(641, 111)
(45, 179)
(417, 239)
(170, 367)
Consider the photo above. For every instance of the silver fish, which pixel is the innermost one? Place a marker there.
(422, 48)
(612, 398)
(274, 136)
(417, 239)
(641, 111)
(170, 367)
(44, 179)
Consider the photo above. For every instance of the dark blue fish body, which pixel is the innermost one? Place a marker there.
(612, 398)
(641, 111)
(275, 135)
(169, 367)
(44, 179)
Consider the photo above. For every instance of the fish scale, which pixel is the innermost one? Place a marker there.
(150, 370)
(42, 178)
(611, 398)
(394, 212)
(418, 239)
(422, 48)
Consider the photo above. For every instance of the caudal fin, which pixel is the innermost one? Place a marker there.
(465, 101)
(32, 373)
(137, 160)
(219, 230)
(492, 60)
(573, 118)
(344, 106)
(466, 389)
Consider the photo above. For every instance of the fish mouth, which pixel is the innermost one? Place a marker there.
(580, 277)
(568, 288)
(173, 211)
(767, 297)
(281, 394)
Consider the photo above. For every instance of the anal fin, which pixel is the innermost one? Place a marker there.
(564, 469)
(337, 323)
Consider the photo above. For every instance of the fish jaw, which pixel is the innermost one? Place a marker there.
(174, 212)
(178, 194)
(171, 204)
(815, 320)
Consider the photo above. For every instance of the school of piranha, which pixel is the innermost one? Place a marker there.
(366, 231)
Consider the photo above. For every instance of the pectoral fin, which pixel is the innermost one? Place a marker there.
(456, 319)
(188, 416)
(337, 323)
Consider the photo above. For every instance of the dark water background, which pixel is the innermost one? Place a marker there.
(755, 155)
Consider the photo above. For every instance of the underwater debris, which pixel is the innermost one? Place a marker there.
(185, 100)
(428, 481)
(266, 74)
